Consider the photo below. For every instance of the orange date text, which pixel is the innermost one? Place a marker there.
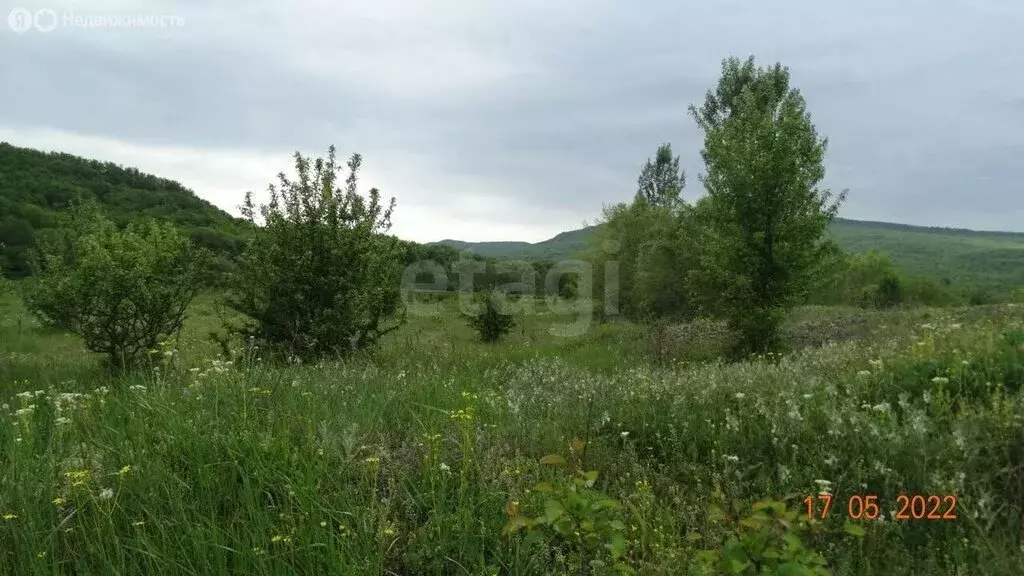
(868, 507)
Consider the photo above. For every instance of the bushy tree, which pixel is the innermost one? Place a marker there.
(767, 213)
(648, 242)
(491, 323)
(123, 291)
(321, 275)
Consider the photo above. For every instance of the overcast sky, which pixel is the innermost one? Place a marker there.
(518, 120)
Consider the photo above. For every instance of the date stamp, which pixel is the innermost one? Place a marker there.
(867, 506)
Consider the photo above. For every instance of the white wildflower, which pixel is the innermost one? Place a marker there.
(106, 494)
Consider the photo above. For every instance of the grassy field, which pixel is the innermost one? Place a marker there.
(412, 459)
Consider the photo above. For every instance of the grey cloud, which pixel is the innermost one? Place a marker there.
(558, 106)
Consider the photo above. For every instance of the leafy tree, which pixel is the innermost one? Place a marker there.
(662, 181)
(320, 276)
(123, 291)
(768, 215)
(491, 323)
(649, 244)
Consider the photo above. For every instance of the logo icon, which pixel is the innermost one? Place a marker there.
(20, 20)
(45, 20)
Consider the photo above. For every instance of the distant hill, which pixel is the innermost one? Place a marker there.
(987, 259)
(36, 189)
(562, 246)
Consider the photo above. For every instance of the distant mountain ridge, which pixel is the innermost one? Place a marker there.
(988, 259)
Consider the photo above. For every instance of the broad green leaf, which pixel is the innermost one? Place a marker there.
(552, 460)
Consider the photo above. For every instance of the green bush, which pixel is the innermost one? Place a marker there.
(491, 323)
(122, 290)
(320, 275)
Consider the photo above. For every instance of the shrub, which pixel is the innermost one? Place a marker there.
(121, 290)
(491, 323)
(320, 276)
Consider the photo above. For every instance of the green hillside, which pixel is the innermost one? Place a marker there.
(36, 188)
(986, 259)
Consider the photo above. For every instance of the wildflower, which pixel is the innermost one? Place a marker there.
(864, 373)
(389, 532)
(26, 410)
(106, 494)
(58, 501)
(940, 380)
(445, 467)
(60, 421)
(125, 469)
(138, 523)
(323, 523)
(372, 460)
(276, 538)
(824, 486)
(8, 516)
(740, 395)
(624, 433)
(732, 458)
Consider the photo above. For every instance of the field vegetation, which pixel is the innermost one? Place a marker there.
(711, 387)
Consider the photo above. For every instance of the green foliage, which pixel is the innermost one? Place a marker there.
(573, 514)
(648, 243)
(491, 323)
(661, 182)
(37, 189)
(122, 290)
(405, 460)
(320, 276)
(765, 241)
(768, 540)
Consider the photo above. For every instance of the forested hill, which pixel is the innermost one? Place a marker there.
(986, 259)
(36, 189)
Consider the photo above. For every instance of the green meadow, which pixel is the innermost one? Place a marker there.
(617, 448)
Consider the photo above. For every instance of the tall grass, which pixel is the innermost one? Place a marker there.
(413, 459)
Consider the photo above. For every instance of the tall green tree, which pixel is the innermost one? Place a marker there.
(646, 242)
(662, 181)
(321, 276)
(768, 214)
